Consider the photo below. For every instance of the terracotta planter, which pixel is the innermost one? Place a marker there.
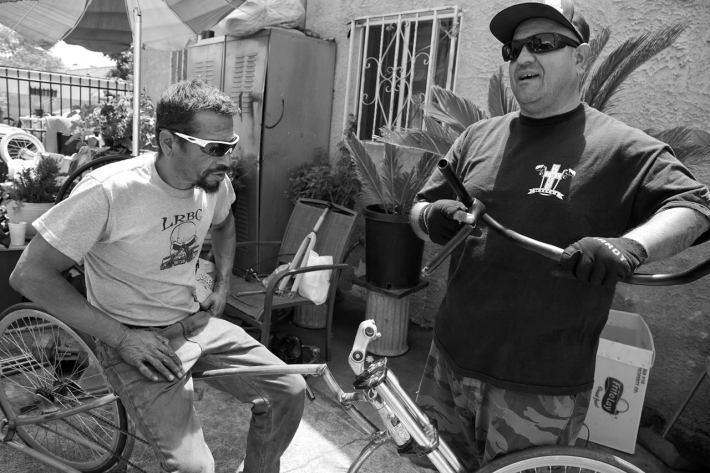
(26, 212)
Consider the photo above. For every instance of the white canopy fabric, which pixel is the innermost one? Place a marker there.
(107, 25)
(111, 26)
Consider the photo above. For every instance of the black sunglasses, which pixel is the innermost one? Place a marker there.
(538, 44)
(210, 147)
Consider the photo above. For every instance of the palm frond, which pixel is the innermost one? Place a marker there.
(624, 60)
(366, 169)
(688, 144)
(445, 131)
(436, 139)
(500, 97)
(453, 110)
(415, 178)
(391, 173)
(596, 46)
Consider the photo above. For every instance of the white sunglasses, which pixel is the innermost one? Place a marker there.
(210, 147)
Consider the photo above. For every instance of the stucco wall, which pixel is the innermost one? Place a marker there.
(671, 89)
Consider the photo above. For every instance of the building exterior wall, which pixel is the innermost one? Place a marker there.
(672, 89)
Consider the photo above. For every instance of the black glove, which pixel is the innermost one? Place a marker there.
(437, 220)
(602, 261)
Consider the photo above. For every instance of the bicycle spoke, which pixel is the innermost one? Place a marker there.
(46, 368)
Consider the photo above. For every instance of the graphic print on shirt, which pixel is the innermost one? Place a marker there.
(183, 239)
(551, 179)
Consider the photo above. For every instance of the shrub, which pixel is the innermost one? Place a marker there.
(319, 180)
(36, 185)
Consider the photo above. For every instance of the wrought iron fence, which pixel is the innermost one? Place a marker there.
(26, 96)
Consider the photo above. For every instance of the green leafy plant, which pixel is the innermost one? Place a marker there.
(36, 185)
(390, 185)
(319, 180)
(114, 120)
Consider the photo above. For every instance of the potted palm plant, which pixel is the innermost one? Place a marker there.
(393, 253)
(32, 192)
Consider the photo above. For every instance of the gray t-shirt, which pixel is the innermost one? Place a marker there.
(138, 238)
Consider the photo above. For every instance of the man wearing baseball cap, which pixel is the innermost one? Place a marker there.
(512, 361)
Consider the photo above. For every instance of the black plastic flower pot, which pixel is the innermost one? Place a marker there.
(393, 252)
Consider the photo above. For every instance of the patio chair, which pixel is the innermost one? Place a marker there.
(255, 306)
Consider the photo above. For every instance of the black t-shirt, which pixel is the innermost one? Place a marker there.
(506, 318)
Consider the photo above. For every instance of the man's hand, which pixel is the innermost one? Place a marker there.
(442, 219)
(150, 353)
(217, 300)
(602, 261)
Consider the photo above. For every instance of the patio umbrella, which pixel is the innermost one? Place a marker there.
(110, 26)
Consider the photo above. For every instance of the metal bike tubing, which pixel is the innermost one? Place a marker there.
(437, 451)
(423, 420)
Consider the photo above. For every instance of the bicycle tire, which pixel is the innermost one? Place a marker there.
(14, 143)
(45, 366)
(559, 459)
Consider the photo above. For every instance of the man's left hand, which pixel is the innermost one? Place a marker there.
(217, 300)
(602, 261)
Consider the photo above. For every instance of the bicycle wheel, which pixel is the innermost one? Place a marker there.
(45, 367)
(558, 459)
(15, 143)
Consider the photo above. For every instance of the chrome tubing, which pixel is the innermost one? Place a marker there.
(427, 427)
(439, 454)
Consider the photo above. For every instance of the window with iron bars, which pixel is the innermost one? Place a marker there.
(394, 60)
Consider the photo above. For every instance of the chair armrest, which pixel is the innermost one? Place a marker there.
(271, 287)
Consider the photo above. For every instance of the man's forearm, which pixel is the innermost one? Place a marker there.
(670, 232)
(49, 289)
(224, 242)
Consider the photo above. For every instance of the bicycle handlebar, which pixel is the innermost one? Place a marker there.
(545, 249)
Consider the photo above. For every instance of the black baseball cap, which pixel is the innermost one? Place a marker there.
(504, 24)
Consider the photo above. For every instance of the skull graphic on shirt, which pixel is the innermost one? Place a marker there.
(183, 245)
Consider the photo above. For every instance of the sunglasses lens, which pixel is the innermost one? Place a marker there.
(543, 43)
(538, 44)
(511, 50)
(216, 149)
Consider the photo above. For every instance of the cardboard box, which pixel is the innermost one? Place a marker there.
(624, 360)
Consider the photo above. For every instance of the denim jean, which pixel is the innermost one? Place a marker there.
(163, 410)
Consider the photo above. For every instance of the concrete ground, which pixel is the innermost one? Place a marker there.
(326, 441)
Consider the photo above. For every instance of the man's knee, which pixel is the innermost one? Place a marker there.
(190, 462)
(294, 391)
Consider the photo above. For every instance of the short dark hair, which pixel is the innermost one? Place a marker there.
(181, 101)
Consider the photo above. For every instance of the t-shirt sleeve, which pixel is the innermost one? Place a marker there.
(666, 184)
(225, 198)
(74, 225)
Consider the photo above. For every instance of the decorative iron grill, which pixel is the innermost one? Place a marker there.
(393, 62)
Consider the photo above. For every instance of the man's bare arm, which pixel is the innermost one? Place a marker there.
(670, 232)
(224, 242)
(38, 276)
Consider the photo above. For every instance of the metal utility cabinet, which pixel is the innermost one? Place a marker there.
(282, 81)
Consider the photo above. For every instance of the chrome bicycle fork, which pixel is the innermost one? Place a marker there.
(408, 427)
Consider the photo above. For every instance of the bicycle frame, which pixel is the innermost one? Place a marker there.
(404, 424)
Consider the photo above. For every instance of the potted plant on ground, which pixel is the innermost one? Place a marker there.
(393, 253)
(32, 192)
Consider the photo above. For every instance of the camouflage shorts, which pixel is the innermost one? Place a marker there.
(481, 422)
